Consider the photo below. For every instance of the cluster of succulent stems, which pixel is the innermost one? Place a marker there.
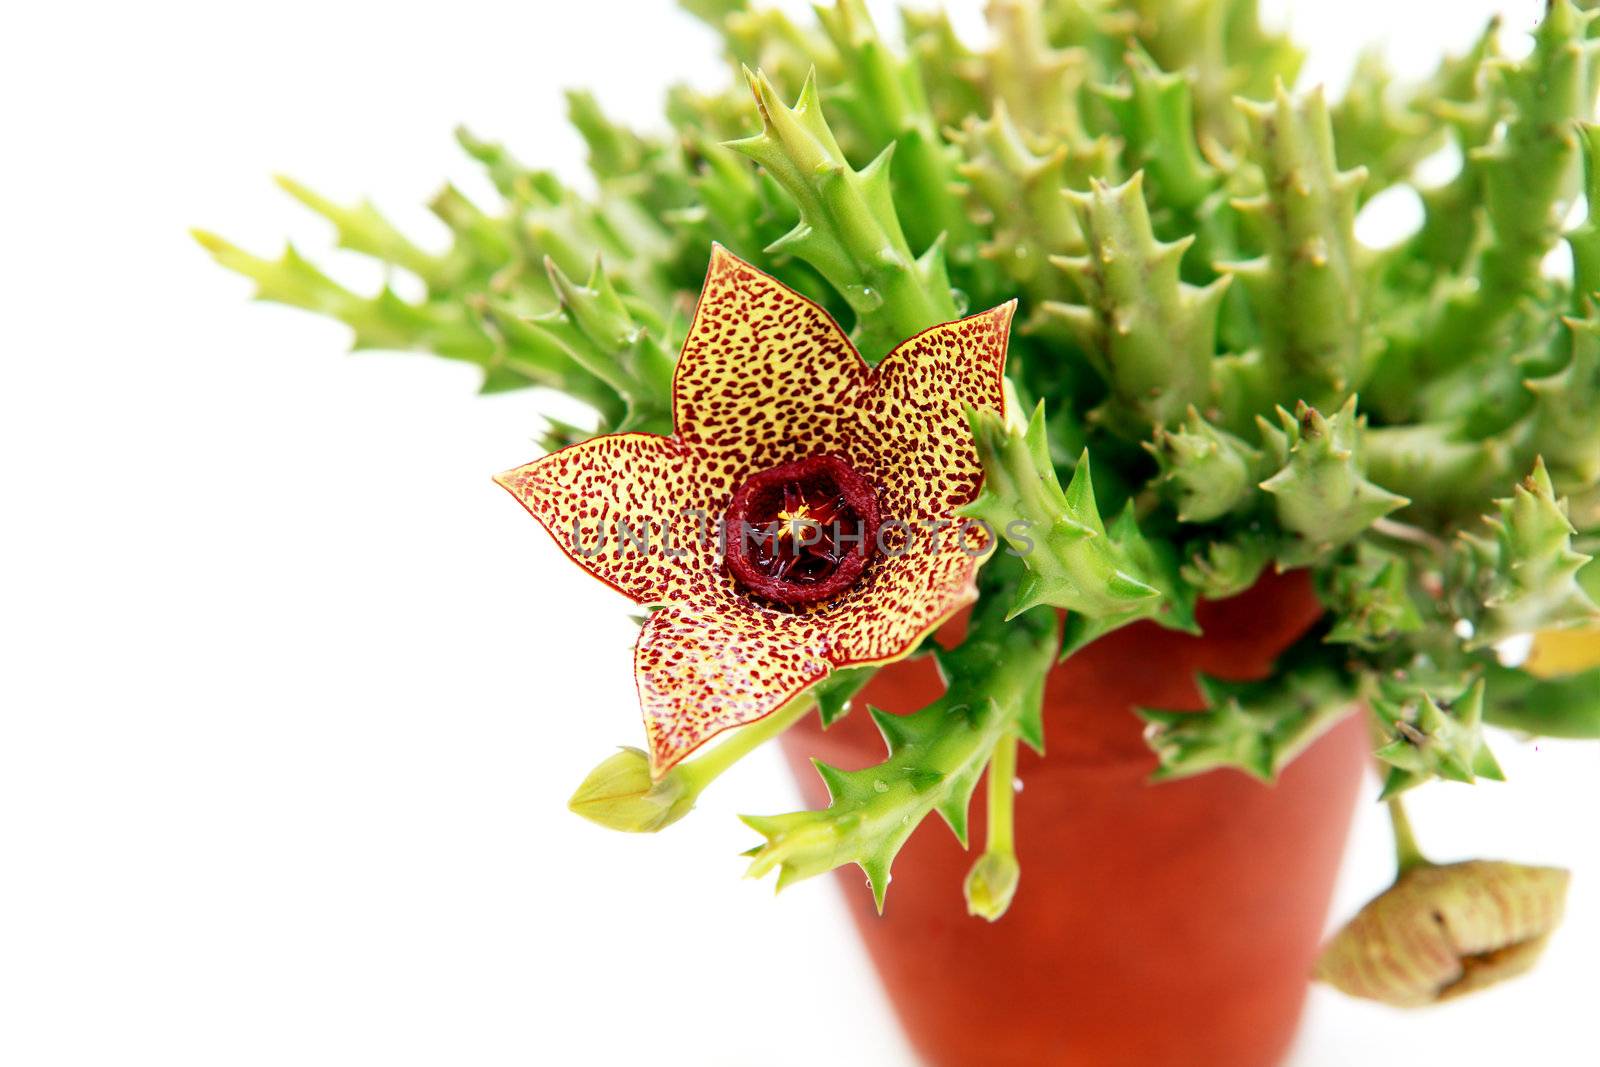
(1417, 424)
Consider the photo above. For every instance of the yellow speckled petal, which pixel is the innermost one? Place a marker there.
(609, 501)
(700, 673)
(908, 432)
(764, 377)
(899, 599)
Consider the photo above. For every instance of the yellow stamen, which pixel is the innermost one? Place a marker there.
(794, 521)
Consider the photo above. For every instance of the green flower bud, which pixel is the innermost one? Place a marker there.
(1442, 931)
(619, 795)
(991, 884)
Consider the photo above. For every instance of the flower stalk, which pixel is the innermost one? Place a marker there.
(935, 756)
(1407, 853)
(992, 881)
(620, 793)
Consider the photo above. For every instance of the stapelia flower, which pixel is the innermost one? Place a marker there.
(846, 478)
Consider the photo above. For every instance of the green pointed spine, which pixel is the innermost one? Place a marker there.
(848, 229)
(1151, 335)
(1305, 289)
(1070, 562)
(935, 759)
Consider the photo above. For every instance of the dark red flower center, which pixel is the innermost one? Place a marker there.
(801, 532)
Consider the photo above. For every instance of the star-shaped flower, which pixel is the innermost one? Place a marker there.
(826, 480)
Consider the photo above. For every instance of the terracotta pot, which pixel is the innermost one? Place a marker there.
(1156, 924)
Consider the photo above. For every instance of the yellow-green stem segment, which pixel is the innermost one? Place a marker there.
(992, 882)
(1407, 854)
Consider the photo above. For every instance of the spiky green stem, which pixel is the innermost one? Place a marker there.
(1429, 737)
(1322, 497)
(1040, 84)
(1069, 560)
(889, 103)
(1151, 335)
(1254, 727)
(849, 229)
(1522, 575)
(1016, 182)
(1208, 473)
(1305, 289)
(598, 331)
(1526, 173)
(935, 757)
(1154, 112)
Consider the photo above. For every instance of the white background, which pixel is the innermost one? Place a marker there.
(293, 696)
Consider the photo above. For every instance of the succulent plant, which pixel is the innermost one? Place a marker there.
(1221, 377)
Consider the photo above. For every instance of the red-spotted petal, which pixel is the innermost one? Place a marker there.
(700, 673)
(909, 431)
(764, 377)
(632, 509)
(899, 599)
